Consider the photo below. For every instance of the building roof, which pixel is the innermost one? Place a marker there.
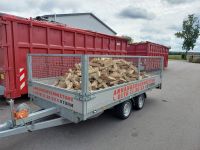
(79, 14)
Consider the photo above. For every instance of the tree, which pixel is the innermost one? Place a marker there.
(130, 39)
(190, 33)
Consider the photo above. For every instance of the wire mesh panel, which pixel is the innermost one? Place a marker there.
(51, 66)
(151, 65)
(55, 70)
(108, 71)
(92, 72)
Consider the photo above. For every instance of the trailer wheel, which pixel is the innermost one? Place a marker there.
(139, 101)
(124, 109)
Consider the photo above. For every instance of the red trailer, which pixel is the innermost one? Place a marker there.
(149, 49)
(19, 36)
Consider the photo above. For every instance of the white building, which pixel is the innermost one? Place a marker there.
(86, 21)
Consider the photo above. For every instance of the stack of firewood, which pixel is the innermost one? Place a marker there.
(103, 73)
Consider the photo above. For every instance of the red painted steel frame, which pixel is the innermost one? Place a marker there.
(19, 36)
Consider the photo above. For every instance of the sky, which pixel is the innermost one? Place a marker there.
(143, 20)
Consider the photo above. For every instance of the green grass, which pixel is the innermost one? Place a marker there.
(175, 57)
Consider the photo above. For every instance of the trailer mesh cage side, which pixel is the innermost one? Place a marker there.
(52, 66)
(48, 69)
(149, 49)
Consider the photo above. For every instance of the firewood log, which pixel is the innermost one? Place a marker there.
(103, 72)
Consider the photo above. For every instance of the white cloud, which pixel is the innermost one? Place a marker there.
(177, 2)
(159, 19)
(136, 13)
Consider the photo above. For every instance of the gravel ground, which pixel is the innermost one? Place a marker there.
(170, 120)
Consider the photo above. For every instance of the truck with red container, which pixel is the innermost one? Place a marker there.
(149, 49)
(20, 36)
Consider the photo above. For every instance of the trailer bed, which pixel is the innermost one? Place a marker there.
(79, 105)
(71, 105)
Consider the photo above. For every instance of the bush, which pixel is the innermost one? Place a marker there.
(196, 60)
(175, 57)
(175, 53)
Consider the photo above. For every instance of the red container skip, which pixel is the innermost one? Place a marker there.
(149, 49)
(19, 36)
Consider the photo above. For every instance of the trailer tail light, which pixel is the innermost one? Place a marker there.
(22, 111)
(21, 114)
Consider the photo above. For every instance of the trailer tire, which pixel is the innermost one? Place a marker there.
(139, 101)
(123, 110)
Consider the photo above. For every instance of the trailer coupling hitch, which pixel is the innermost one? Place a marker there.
(21, 121)
(21, 112)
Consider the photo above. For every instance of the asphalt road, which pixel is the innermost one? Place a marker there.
(170, 120)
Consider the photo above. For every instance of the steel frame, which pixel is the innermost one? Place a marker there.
(85, 64)
(85, 98)
(34, 127)
(85, 95)
(12, 127)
